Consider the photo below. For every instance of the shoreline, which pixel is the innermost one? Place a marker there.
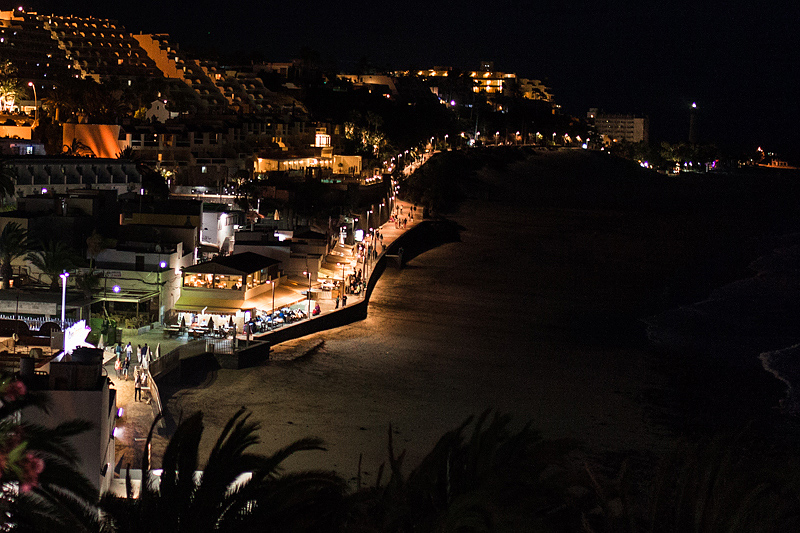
(523, 314)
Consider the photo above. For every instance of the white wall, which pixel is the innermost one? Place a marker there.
(95, 447)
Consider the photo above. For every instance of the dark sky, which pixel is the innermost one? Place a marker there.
(738, 60)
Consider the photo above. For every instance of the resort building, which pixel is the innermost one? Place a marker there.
(613, 128)
(58, 174)
(235, 286)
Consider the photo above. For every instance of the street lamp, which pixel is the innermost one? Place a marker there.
(272, 283)
(162, 265)
(35, 104)
(341, 287)
(496, 138)
(64, 275)
(308, 294)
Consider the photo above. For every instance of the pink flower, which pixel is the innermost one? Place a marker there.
(14, 390)
(31, 466)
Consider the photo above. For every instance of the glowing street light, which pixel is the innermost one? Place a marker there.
(35, 104)
(272, 283)
(308, 274)
(64, 275)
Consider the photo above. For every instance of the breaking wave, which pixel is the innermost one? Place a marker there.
(747, 322)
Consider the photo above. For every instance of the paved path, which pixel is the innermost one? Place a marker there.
(136, 418)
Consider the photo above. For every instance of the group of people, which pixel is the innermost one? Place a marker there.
(401, 221)
(354, 283)
(122, 366)
(344, 300)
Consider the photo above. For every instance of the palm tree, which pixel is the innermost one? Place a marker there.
(53, 258)
(473, 483)
(237, 491)
(13, 244)
(77, 149)
(10, 86)
(8, 178)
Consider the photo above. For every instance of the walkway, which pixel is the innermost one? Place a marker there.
(136, 418)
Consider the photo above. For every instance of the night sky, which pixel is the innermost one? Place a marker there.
(738, 59)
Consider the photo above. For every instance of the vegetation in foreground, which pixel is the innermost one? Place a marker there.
(480, 476)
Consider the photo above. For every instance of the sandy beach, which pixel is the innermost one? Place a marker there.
(537, 312)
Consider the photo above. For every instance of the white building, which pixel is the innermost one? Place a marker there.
(79, 390)
(615, 127)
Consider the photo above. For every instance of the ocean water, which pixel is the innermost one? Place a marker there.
(750, 324)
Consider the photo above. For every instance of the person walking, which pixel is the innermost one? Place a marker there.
(337, 302)
(128, 351)
(145, 351)
(125, 365)
(138, 353)
(137, 386)
(344, 300)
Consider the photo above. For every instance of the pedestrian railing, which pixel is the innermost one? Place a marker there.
(171, 359)
(155, 397)
(225, 346)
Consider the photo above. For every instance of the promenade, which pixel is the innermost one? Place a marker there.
(136, 418)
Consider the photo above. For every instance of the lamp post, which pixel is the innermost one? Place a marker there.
(64, 275)
(35, 104)
(341, 287)
(308, 294)
(272, 284)
(161, 266)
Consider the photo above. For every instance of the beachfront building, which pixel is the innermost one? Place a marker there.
(227, 287)
(139, 281)
(619, 127)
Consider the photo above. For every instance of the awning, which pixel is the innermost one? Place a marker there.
(283, 296)
(212, 306)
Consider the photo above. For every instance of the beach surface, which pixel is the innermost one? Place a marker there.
(537, 312)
